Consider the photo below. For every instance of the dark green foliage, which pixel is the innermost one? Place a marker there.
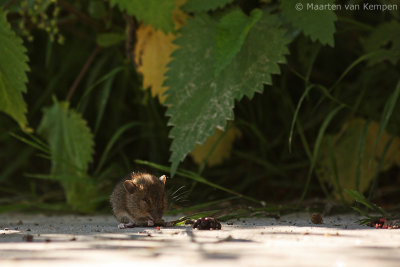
(204, 5)
(385, 37)
(359, 198)
(314, 72)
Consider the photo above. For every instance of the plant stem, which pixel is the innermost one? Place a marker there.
(82, 73)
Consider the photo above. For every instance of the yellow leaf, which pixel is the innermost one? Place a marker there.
(153, 50)
(345, 147)
(222, 150)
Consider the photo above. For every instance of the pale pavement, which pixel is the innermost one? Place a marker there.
(291, 240)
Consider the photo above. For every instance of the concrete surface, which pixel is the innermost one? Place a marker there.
(291, 240)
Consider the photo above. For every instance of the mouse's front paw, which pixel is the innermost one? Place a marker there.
(126, 225)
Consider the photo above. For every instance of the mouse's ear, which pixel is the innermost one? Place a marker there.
(129, 186)
(163, 179)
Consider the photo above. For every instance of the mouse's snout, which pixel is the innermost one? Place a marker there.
(156, 215)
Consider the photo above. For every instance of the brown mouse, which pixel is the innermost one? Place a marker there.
(139, 200)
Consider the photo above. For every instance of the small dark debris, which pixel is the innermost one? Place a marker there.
(15, 228)
(229, 223)
(207, 223)
(27, 238)
(73, 239)
(36, 224)
(47, 240)
(316, 218)
(28, 230)
(20, 222)
(6, 229)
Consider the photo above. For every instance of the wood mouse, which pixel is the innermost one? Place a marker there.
(139, 200)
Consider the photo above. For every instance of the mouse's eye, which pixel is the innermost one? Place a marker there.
(147, 201)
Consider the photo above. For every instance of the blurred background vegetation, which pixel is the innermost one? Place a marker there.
(329, 121)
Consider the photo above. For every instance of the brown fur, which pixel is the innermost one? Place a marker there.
(139, 198)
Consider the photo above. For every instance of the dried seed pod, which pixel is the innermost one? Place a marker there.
(207, 223)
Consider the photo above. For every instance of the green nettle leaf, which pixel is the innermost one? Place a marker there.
(13, 68)
(385, 37)
(313, 19)
(71, 149)
(231, 34)
(155, 12)
(198, 102)
(204, 5)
